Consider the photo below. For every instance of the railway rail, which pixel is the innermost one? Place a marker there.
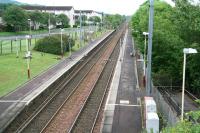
(62, 122)
(43, 114)
(86, 120)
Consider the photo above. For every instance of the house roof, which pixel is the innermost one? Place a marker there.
(68, 8)
(83, 11)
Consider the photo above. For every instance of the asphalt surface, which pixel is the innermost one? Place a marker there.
(127, 119)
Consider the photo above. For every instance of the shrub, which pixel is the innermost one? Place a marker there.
(52, 44)
(74, 26)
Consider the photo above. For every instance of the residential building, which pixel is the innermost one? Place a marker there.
(88, 13)
(67, 10)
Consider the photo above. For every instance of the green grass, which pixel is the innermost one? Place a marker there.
(6, 46)
(13, 71)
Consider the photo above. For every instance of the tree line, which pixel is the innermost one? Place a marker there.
(113, 21)
(16, 18)
(175, 28)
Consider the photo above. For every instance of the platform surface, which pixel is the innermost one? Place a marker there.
(122, 112)
(15, 101)
(127, 115)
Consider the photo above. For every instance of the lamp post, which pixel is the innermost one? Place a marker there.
(144, 67)
(61, 44)
(185, 51)
(29, 20)
(28, 56)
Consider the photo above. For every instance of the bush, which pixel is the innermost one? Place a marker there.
(74, 26)
(52, 44)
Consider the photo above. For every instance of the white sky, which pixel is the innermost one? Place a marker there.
(124, 7)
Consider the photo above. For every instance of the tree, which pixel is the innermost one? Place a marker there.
(36, 17)
(63, 19)
(167, 44)
(83, 20)
(15, 17)
(95, 19)
(186, 126)
(45, 18)
(113, 21)
(3, 7)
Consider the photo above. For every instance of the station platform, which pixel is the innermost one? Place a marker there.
(122, 112)
(13, 103)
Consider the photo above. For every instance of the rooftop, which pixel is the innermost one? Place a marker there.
(83, 11)
(47, 7)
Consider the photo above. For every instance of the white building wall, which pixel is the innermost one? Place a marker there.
(1, 20)
(70, 14)
(72, 17)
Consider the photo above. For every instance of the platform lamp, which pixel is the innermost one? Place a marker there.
(185, 51)
(144, 56)
(29, 20)
(28, 57)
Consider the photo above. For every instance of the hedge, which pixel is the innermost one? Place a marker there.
(52, 44)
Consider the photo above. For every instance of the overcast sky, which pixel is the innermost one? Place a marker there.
(124, 7)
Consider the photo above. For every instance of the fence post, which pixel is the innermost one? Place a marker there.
(30, 42)
(1, 48)
(11, 47)
(20, 45)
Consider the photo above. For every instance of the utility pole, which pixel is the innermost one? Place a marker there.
(151, 12)
(49, 21)
(80, 30)
(61, 42)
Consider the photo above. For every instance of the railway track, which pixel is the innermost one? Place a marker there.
(62, 122)
(65, 93)
(86, 120)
